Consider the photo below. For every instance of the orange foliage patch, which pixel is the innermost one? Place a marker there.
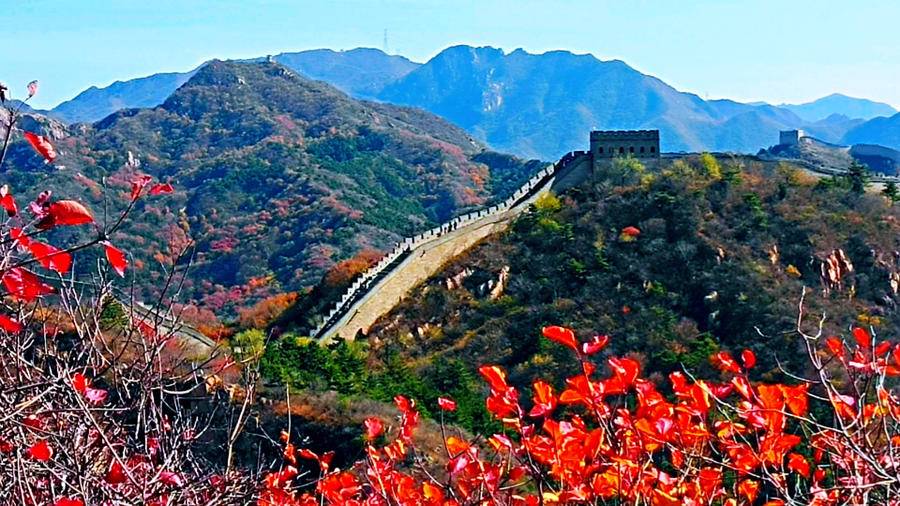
(264, 312)
(342, 273)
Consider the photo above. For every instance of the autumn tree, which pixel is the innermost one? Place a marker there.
(102, 400)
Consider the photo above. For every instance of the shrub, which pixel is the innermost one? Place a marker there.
(616, 438)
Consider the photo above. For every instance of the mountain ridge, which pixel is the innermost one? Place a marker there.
(838, 103)
(497, 96)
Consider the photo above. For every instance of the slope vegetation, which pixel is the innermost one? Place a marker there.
(277, 177)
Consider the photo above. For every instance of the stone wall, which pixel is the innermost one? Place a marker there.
(385, 283)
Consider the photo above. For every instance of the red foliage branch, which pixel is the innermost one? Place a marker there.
(615, 438)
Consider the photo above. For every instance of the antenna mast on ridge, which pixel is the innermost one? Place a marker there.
(385, 45)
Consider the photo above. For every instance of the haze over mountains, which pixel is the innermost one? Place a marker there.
(540, 105)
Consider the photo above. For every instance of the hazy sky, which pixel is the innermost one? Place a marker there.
(777, 51)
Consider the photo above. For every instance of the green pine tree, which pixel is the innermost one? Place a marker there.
(858, 177)
(891, 191)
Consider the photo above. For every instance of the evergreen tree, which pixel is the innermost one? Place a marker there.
(891, 191)
(858, 177)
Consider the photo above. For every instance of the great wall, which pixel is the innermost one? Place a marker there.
(415, 259)
(401, 269)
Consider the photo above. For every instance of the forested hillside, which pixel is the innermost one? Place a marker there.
(674, 265)
(276, 178)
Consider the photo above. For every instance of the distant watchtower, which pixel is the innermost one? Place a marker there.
(790, 137)
(607, 145)
(636, 143)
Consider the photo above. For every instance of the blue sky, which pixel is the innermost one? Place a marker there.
(775, 51)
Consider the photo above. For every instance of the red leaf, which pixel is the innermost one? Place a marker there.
(65, 501)
(749, 489)
(116, 474)
(710, 479)
(835, 346)
(748, 358)
(863, 339)
(24, 285)
(41, 145)
(34, 422)
(742, 386)
(161, 188)
(544, 400)
(446, 404)
(9, 204)
(50, 256)
(796, 398)
(308, 454)
(562, 336)
(374, 427)
(495, 377)
(138, 185)
(116, 258)
(798, 463)
(80, 383)
(65, 212)
(626, 369)
(9, 325)
(631, 231)
(40, 451)
(596, 344)
(19, 237)
(725, 362)
(403, 404)
(882, 348)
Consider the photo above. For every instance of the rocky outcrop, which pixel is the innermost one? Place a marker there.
(835, 268)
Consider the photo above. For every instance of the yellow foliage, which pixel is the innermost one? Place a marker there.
(869, 320)
(792, 271)
(711, 166)
(548, 202)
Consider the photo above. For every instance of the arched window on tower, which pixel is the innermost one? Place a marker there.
(601, 150)
(621, 151)
(642, 149)
(653, 149)
(631, 149)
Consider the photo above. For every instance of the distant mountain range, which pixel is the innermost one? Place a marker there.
(840, 104)
(883, 131)
(538, 105)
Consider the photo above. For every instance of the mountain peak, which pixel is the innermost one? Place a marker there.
(231, 73)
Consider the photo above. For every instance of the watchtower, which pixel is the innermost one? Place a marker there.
(790, 137)
(636, 143)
